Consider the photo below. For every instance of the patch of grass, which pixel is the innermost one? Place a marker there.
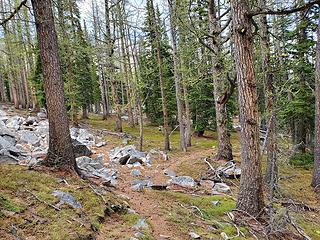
(304, 160)
(200, 215)
(35, 218)
(8, 204)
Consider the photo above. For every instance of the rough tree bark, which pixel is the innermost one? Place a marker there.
(219, 85)
(316, 168)
(250, 198)
(177, 75)
(60, 153)
(271, 168)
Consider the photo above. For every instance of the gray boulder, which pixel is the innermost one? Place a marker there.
(30, 121)
(15, 122)
(136, 172)
(138, 185)
(85, 137)
(141, 224)
(183, 181)
(29, 137)
(80, 149)
(169, 173)
(3, 113)
(66, 198)
(42, 115)
(219, 188)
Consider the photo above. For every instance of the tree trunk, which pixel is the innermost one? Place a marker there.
(271, 168)
(250, 198)
(177, 75)
(85, 112)
(316, 168)
(188, 116)
(218, 72)
(166, 130)
(60, 153)
(126, 65)
(102, 80)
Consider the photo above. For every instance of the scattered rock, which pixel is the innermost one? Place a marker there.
(30, 121)
(169, 173)
(136, 172)
(42, 115)
(194, 235)
(3, 113)
(215, 203)
(29, 137)
(101, 144)
(66, 198)
(80, 149)
(85, 137)
(138, 185)
(229, 170)
(8, 159)
(219, 188)
(128, 155)
(139, 235)
(155, 155)
(14, 122)
(93, 167)
(141, 224)
(183, 181)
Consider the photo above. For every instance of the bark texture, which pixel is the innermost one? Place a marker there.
(60, 153)
(219, 85)
(271, 174)
(250, 197)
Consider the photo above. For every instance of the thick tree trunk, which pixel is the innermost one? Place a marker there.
(224, 143)
(60, 153)
(316, 168)
(250, 197)
(177, 75)
(271, 168)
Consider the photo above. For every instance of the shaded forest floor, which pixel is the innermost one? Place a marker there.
(169, 214)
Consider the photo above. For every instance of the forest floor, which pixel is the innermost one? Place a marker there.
(25, 197)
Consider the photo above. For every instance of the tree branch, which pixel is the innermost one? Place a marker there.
(16, 10)
(285, 11)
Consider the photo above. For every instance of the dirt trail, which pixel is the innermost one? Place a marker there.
(148, 203)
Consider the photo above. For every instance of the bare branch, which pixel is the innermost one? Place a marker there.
(16, 10)
(285, 11)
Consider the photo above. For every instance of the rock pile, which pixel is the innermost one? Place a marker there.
(229, 170)
(94, 167)
(26, 140)
(128, 155)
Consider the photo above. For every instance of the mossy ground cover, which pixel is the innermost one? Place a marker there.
(23, 215)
